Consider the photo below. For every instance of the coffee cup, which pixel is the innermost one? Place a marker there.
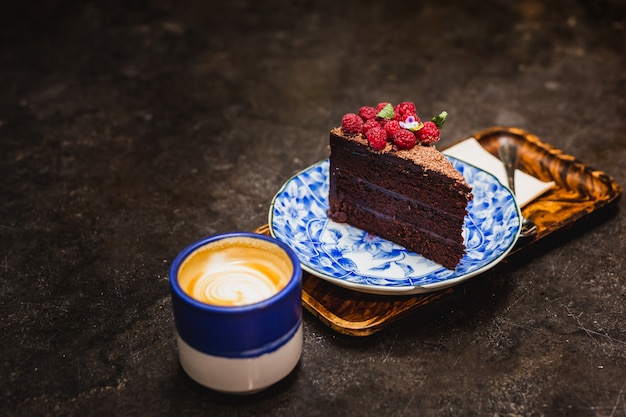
(237, 306)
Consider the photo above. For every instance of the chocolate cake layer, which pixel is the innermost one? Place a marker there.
(427, 243)
(358, 194)
(414, 198)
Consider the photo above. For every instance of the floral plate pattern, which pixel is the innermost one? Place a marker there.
(352, 258)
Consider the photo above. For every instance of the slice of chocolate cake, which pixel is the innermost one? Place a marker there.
(401, 189)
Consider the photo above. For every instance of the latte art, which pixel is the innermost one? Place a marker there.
(235, 283)
(235, 272)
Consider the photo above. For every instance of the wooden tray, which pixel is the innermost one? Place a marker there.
(579, 192)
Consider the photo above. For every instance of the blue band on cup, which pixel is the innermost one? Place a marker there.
(239, 331)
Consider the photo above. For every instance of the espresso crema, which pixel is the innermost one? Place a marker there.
(235, 271)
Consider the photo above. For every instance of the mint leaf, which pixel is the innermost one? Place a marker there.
(441, 119)
(386, 112)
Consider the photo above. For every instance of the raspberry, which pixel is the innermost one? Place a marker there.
(380, 106)
(377, 138)
(369, 124)
(428, 134)
(404, 139)
(391, 127)
(351, 124)
(406, 108)
(367, 112)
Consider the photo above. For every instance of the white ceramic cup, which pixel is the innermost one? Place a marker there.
(237, 308)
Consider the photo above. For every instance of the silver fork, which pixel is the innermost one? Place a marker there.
(508, 152)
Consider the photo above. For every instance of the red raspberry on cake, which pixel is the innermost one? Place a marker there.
(391, 127)
(351, 124)
(381, 106)
(404, 139)
(405, 109)
(428, 134)
(367, 112)
(370, 124)
(377, 138)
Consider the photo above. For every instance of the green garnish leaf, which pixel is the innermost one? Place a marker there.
(386, 112)
(441, 119)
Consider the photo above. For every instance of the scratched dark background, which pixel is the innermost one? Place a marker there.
(129, 130)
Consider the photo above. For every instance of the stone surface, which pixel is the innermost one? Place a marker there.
(129, 130)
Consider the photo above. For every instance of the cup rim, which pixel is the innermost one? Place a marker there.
(294, 280)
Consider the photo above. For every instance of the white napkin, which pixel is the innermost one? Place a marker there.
(527, 187)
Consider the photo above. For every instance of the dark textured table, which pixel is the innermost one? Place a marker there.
(130, 129)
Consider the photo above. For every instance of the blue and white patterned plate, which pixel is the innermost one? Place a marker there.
(352, 258)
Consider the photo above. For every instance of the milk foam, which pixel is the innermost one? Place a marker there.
(235, 272)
